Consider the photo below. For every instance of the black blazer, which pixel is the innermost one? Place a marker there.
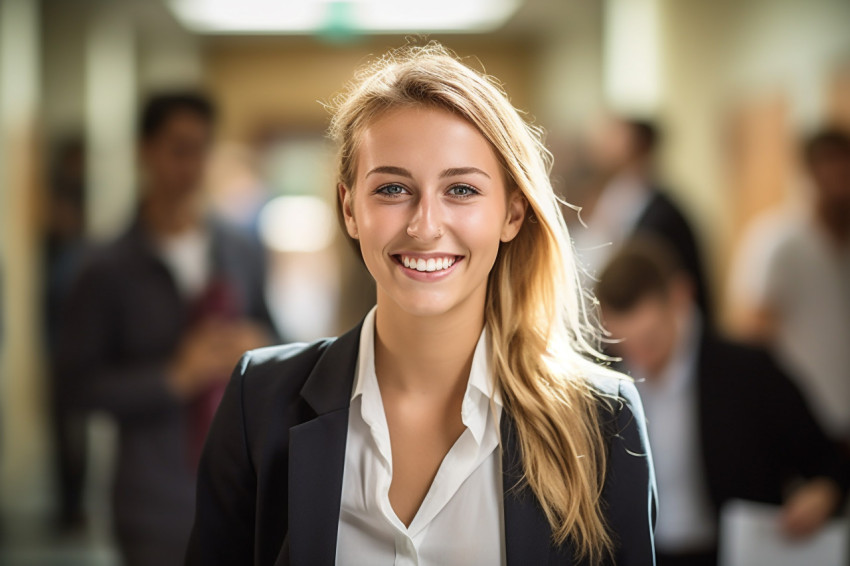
(757, 433)
(270, 478)
(121, 324)
(663, 219)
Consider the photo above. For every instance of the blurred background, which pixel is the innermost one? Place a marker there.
(734, 86)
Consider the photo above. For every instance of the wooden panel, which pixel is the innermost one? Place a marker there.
(838, 98)
(760, 154)
(277, 83)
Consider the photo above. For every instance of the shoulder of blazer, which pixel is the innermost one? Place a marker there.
(663, 215)
(722, 363)
(285, 368)
(623, 420)
(304, 379)
(268, 382)
(618, 397)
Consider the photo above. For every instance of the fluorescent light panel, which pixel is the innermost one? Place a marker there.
(358, 16)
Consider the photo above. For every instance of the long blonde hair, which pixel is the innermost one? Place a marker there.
(541, 337)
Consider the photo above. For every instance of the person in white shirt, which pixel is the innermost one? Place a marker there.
(791, 285)
(462, 422)
(634, 201)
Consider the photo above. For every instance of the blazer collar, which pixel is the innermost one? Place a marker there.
(328, 387)
(709, 421)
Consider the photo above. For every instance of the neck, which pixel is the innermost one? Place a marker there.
(835, 220)
(166, 217)
(427, 355)
(639, 170)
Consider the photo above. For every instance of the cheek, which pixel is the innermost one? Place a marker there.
(480, 229)
(635, 342)
(376, 227)
(641, 350)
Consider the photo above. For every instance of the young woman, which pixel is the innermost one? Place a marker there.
(462, 422)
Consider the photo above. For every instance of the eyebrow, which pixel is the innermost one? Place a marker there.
(458, 171)
(452, 172)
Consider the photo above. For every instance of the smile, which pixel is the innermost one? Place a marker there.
(427, 264)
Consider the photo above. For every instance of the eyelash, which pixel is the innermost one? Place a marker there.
(472, 191)
(382, 190)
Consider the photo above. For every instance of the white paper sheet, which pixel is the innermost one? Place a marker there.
(750, 536)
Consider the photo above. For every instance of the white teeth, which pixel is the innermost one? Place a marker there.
(430, 264)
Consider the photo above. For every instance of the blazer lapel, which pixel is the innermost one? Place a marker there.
(527, 532)
(317, 455)
(707, 420)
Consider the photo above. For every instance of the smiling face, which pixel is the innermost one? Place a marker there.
(429, 207)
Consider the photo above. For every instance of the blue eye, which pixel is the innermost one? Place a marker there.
(462, 191)
(391, 190)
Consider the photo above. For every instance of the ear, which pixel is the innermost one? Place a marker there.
(345, 200)
(517, 206)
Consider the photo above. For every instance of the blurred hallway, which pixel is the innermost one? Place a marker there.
(735, 85)
(30, 538)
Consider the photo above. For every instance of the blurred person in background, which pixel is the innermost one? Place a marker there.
(633, 201)
(65, 248)
(790, 284)
(154, 324)
(724, 421)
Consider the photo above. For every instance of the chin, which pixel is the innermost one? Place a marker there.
(422, 303)
(425, 306)
(427, 300)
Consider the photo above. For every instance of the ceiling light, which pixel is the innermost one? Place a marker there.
(335, 16)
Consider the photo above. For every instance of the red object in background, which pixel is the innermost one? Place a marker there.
(219, 300)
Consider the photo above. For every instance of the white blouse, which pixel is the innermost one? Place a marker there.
(460, 521)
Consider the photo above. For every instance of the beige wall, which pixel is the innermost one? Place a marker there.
(279, 82)
(761, 66)
(43, 65)
(568, 72)
(21, 355)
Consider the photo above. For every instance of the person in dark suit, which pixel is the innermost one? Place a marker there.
(724, 421)
(461, 422)
(633, 203)
(64, 246)
(152, 326)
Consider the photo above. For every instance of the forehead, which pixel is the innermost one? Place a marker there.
(425, 138)
(649, 306)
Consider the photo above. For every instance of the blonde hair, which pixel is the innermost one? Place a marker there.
(541, 337)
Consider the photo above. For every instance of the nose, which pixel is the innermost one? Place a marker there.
(426, 222)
